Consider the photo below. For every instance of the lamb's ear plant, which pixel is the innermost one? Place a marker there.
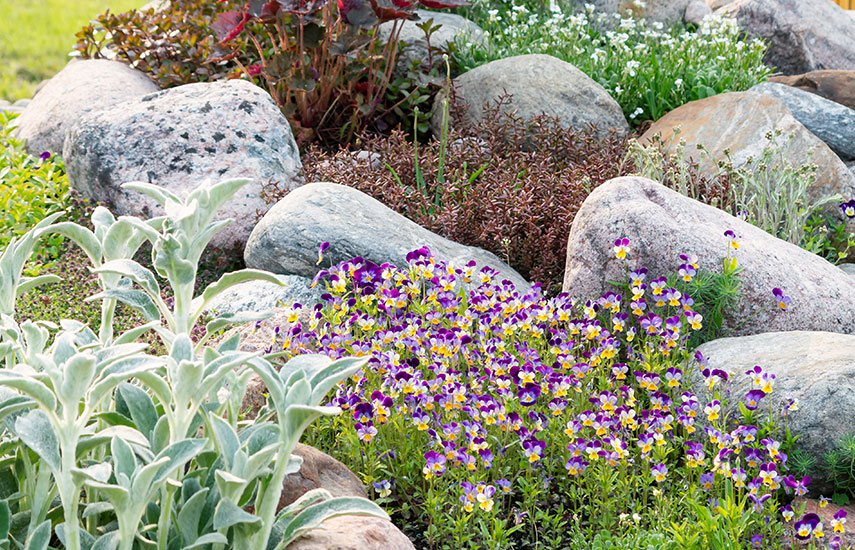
(155, 442)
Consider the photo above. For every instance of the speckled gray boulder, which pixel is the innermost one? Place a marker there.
(848, 268)
(179, 137)
(416, 46)
(831, 122)
(538, 85)
(816, 368)
(287, 238)
(81, 87)
(802, 35)
(661, 224)
(258, 296)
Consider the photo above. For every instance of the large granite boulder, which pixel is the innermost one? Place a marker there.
(838, 86)
(661, 224)
(664, 11)
(81, 87)
(831, 122)
(413, 43)
(353, 533)
(319, 471)
(177, 138)
(739, 122)
(815, 368)
(803, 35)
(537, 85)
(287, 238)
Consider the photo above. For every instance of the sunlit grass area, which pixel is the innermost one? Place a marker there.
(36, 36)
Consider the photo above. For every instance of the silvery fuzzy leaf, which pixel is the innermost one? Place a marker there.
(182, 349)
(131, 335)
(40, 537)
(158, 193)
(108, 541)
(227, 319)
(304, 501)
(96, 472)
(133, 271)
(229, 485)
(334, 373)
(190, 515)
(124, 460)
(228, 514)
(136, 299)
(178, 454)
(37, 433)
(140, 406)
(78, 375)
(97, 508)
(86, 540)
(29, 283)
(5, 519)
(225, 438)
(314, 515)
(205, 540)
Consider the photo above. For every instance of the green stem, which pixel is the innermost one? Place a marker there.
(269, 497)
(163, 520)
(105, 331)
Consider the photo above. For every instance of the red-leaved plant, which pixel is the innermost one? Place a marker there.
(320, 59)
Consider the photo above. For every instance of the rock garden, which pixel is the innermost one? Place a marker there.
(434, 275)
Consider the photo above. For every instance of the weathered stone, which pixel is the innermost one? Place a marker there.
(838, 86)
(353, 533)
(415, 45)
(661, 224)
(319, 471)
(829, 121)
(258, 296)
(848, 268)
(816, 368)
(803, 35)
(179, 137)
(739, 122)
(537, 85)
(287, 238)
(695, 12)
(81, 87)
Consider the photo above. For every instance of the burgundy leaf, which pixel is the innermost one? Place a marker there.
(444, 4)
(229, 25)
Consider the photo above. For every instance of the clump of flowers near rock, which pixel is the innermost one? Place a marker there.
(647, 68)
(498, 418)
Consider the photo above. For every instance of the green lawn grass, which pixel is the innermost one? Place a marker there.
(36, 36)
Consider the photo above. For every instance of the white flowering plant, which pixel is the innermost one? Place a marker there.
(647, 68)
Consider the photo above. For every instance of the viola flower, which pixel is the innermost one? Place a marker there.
(434, 464)
(839, 520)
(468, 497)
(659, 472)
(787, 513)
(752, 399)
(383, 488)
(576, 466)
(533, 450)
(782, 301)
(484, 496)
(734, 238)
(637, 277)
(504, 485)
(759, 501)
(712, 410)
(800, 486)
(809, 526)
(756, 541)
(823, 501)
(621, 248)
(707, 480)
(690, 260)
(528, 394)
(848, 208)
(321, 250)
(366, 432)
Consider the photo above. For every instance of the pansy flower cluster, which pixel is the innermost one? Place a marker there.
(478, 391)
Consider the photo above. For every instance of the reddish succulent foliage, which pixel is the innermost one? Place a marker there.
(513, 191)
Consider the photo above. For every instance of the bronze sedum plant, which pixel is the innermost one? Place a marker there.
(106, 447)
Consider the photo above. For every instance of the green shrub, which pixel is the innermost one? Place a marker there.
(647, 69)
(31, 188)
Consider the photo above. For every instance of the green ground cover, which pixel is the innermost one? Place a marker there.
(36, 36)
